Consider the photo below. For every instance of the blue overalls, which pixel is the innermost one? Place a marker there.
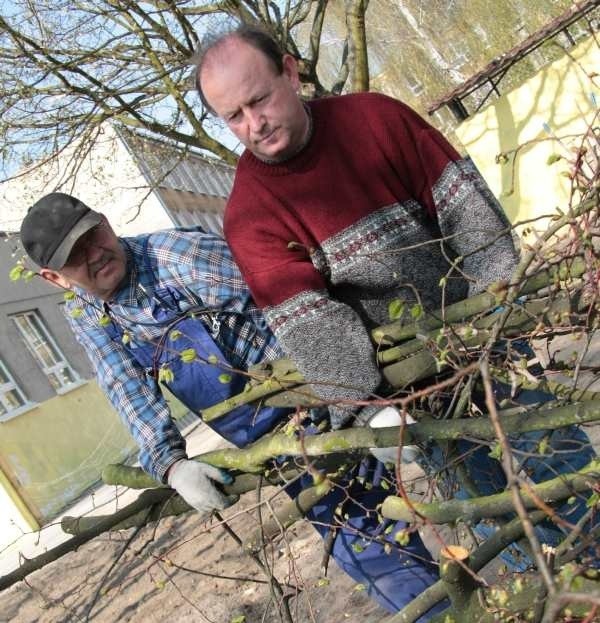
(392, 579)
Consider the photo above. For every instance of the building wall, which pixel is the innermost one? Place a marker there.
(105, 177)
(56, 450)
(546, 117)
(37, 296)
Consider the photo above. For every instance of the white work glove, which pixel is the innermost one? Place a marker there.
(390, 416)
(194, 483)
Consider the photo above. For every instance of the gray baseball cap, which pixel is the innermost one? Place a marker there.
(53, 225)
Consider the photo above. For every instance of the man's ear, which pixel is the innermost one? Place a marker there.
(290, 70)
(55, 278)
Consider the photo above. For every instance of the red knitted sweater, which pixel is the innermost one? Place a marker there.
(327, 239)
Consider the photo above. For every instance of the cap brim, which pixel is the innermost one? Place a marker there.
(84, 224)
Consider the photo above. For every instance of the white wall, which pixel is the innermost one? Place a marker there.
(106, 178)
(12, 522)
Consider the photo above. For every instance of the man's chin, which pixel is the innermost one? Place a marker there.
(109, 279)
(106, 289)
(274, 153)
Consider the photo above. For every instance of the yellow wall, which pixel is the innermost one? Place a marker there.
(58, 449)
(560, 95)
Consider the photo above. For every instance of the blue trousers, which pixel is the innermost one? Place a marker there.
(393, 578)
(566, 451)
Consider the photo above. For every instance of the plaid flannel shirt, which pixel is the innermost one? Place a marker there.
(200, 267)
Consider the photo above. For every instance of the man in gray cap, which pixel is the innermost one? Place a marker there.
(137, 304)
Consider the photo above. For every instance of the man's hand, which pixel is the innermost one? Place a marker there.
(194, 483)
(389, 416)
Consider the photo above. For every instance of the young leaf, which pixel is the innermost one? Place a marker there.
(496, 452)
(402, 537)
(188, 355)
(396, 309)
(416, 311)
(104, 320)
(552, 158)
(16, 272)
(165, 375)
(592, 500)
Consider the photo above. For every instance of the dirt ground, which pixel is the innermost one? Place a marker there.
(183, 570)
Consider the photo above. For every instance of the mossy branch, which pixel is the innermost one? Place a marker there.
(504, 536)
(415, 360)
(495, 505)
(270, 386)
(460, 584)
(458, 312)
(254, 457)
(286, 516)
(170, 503)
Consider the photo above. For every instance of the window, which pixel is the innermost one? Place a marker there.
(12, 399)
(45, 351)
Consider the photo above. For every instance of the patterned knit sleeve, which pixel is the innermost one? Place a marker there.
(453, 192)
(470, 218)
(330, 344)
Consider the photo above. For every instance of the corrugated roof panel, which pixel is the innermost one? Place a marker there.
(178, 168)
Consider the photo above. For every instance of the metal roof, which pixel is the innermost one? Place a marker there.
(171, 166)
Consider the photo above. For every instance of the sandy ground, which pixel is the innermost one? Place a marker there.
(180, 569)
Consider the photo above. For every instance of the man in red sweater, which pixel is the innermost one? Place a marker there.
(340, 206)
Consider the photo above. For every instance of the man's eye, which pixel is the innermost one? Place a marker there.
(234, 116)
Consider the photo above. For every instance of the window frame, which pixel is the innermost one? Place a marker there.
(12, 386)
(46, 339)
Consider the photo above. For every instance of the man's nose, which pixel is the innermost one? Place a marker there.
(256, 121)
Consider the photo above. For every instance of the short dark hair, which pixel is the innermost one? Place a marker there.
(255, 36)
